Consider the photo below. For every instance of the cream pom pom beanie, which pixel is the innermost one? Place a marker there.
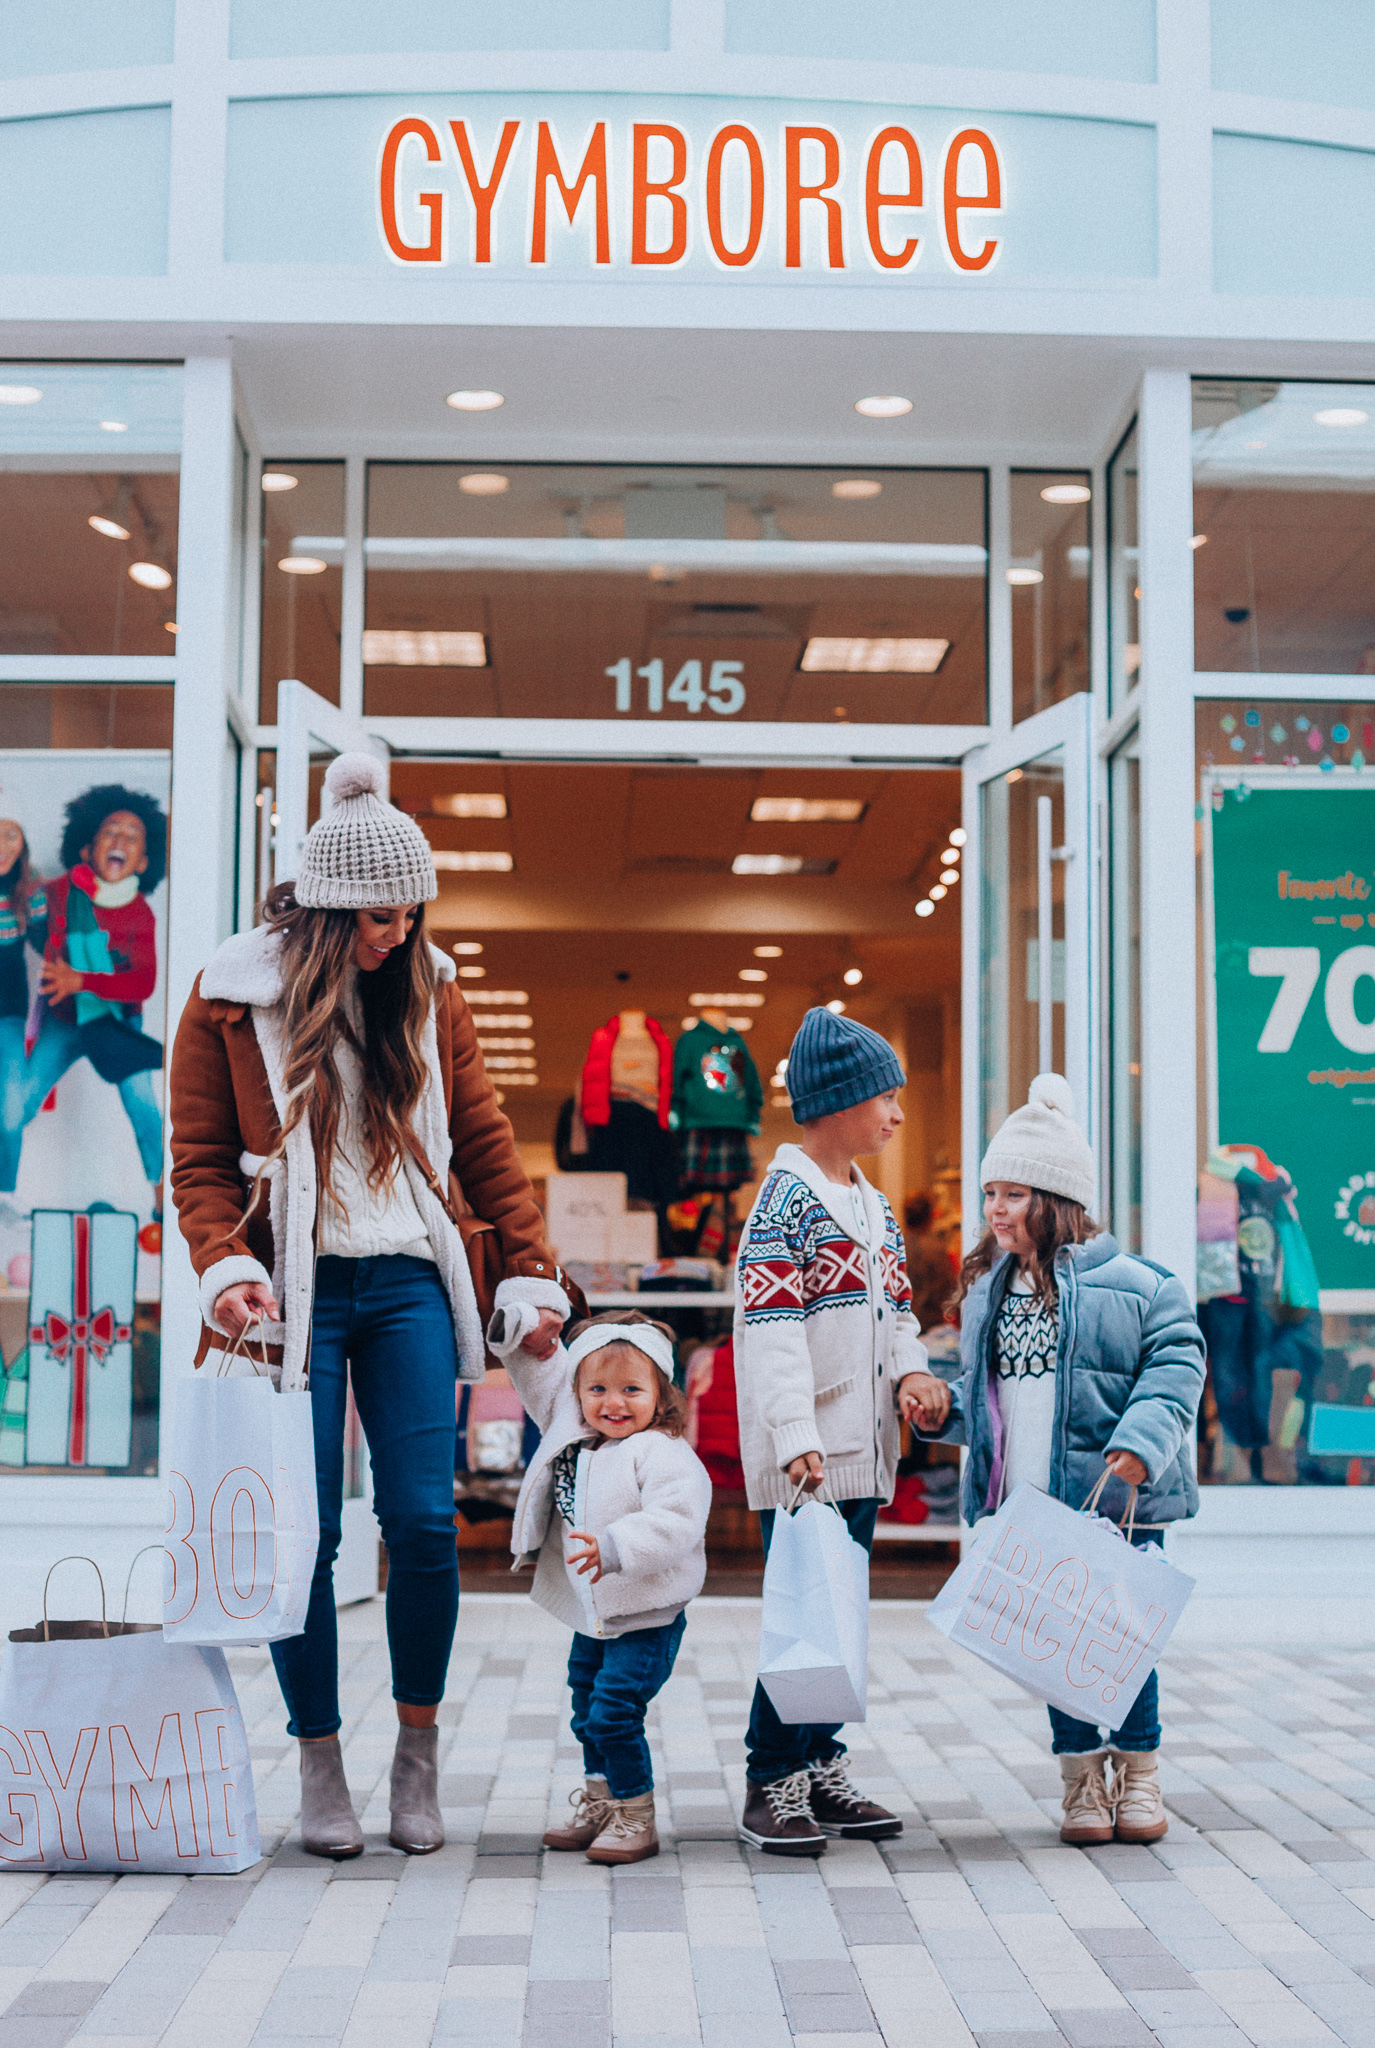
(1041, 1146)
(363, 854)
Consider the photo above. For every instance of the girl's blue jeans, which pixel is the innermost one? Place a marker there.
(390, 1320)
(1140, 1730)
(613, 1679)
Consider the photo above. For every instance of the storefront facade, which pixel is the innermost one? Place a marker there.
(853, 397)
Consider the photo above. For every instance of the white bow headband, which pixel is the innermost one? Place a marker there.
(643, 1336)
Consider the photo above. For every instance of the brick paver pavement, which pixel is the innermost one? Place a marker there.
(1254, 1922)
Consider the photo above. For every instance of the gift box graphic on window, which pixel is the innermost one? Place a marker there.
(81, 1354)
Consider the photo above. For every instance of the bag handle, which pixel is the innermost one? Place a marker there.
(76, 1557)
(263, 1372)
(162, 1550)
(1090, 1502)
(818, 1494)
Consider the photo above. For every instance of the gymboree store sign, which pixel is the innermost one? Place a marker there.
(650, 195)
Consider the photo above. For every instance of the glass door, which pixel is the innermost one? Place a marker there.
(1029, 970)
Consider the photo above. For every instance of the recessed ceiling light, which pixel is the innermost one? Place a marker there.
(936, 891)
(749, 1002)
(170, 626)
(959, 837)
(853, 976)
(114, 426)
(890, 408)
(874, 657)
(497, 995)
(462, 946)
(497, 1020)
(754, 974)
(151, 575)
(473, 803)
(836, 1007)
(279, 480)
(1018, 577)
(503, 1064)
(805, 810)
(768, 952)
(109, 527)
(475, 864)
(766, 864)
(475, 401)
(856, 487)
(1067, 494)
(504, 1044)
(950, 876)
(484, 483)
(19, 394)
(472, 973)
(925, 909)
(382, 649)
(304, 565)
(949, 854)
(1014, 775)
(740, 1023)
(1341, 416)
(1198, 540)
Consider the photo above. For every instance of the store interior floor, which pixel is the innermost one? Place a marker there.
(574, 894)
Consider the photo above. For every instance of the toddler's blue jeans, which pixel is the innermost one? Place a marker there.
(613, 1679)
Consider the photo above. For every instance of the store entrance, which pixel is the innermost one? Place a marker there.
(573, 894)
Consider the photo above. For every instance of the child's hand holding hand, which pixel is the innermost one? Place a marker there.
(924, 1400)
(591, 1557)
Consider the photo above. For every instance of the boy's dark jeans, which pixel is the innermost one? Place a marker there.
(773, 1748)
(613, 1680)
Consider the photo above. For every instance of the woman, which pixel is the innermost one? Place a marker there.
(325, 1077)
(1076, 1356)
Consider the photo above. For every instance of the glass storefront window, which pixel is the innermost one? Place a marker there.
(1286, 1230)
(1023, 819)
(89, 460)
(1124, 571)
(1284, 527)
(303, 576)
(1124, 994)
(1049, 576)
(793, 594)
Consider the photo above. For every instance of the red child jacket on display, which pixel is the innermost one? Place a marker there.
(718, 1425)
(595, 1093)
(116, 942)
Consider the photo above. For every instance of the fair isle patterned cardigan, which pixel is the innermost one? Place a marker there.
(824, 1331)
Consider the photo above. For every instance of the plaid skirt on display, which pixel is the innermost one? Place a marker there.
(713, 1159)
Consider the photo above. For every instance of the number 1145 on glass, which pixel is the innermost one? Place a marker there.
(722, 691)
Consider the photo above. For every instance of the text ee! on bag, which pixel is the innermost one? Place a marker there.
(121, 1752)
(814, 1628)
(1063, 1603)
(243, 1525)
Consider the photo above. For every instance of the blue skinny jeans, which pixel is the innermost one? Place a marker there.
(388, 1318)
(773, 1748)
(1141, 1729)
(613, 1679)
(26, 1083)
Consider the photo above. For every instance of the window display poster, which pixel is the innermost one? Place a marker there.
(1292, 1030)
(83, 864)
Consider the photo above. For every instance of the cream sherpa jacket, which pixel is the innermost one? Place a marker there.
(824, 1331)
(647, 1501)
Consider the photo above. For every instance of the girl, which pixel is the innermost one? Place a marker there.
(325, 1077)
(615, 1504)
(23, 922)
(1076, 1355)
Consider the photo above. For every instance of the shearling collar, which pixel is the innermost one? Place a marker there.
(247, 969)
(792, 1159)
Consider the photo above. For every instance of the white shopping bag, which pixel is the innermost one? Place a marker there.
(243, 1526)
(1062, 1602)
(814, 1633)
(121, 1752)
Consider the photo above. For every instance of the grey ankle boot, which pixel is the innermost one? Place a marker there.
(416, 1825)
(329, 1825)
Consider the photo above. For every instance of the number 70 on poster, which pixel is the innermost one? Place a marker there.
(1299, 968)
(722, 690)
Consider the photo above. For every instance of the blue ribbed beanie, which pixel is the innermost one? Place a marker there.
(836, 1062)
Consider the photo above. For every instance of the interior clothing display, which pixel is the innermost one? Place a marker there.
(716, 1085)
(932, 1275)
(604, 1077)
(1025, 1339)
(711, 1161)
(632, 1141)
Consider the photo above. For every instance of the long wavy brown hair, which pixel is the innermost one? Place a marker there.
(1051, 1220)
(394, 1003)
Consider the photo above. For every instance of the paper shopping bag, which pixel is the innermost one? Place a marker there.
(814, 1633)
(1061, 1602)
(243, 1526)
(121, 1752)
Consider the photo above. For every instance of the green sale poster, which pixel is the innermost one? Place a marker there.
(1292, 1037)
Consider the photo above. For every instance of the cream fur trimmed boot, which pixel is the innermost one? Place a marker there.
(1087, 1803)
(1141, 1815)
(592, 1807)
(629, 1834)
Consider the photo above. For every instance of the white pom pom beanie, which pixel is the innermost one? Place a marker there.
(1041, 1146)
(363, 854)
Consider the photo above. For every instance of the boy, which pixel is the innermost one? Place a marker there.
(824, 1334)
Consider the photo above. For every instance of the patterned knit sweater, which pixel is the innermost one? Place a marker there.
(824, 1332)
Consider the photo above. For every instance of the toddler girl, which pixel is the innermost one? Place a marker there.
(615, 1504)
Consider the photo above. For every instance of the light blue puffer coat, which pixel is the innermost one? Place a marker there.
(1128, 1377)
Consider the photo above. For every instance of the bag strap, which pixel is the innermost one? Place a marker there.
(1130, 1517)
(417, 1152)
(1090, 1501)
(76, 1557)
(265, 1372)
(161, 1550)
